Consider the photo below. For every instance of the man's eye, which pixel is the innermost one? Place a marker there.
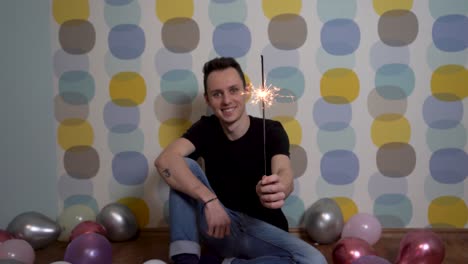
(216, 94)
(234, 90)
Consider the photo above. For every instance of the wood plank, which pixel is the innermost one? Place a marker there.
(153, 243)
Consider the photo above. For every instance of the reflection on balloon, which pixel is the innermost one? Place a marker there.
(5, 235)
(371, 259)
(364, 226)
(10, 261)
(421, 246)
(119, 222)
(35, 228)
(71, 216)
(349, 249)
(87, 227)
(89, 248)
(324, 221)
(154, 261)
(17, 249)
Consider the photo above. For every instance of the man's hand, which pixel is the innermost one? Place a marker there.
(219, 223)
(271, 191)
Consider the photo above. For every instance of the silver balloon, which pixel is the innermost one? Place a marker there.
(119, 222)
(35, 228)
(324, 221)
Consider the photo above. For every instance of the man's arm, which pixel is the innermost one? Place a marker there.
(174, 170)
(274, 189)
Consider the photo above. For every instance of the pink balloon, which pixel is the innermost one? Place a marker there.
(371, 259)
(89, 248)
(17, 249)
(421, 246)
(349, 249)
(87, 227)
(364, 226)
(5, 235)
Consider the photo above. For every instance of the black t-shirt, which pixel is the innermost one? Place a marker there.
(234, 168)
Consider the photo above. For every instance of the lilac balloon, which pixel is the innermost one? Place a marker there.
(371, 259)
(17, 249)
(89, 248)
(364, 226)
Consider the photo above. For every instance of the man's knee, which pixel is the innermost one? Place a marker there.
(193, 165)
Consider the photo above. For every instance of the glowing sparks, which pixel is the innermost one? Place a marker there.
(265, 94)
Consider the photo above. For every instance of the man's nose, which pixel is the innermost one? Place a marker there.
(226, 98)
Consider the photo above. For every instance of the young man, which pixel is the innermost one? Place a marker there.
(232, 205)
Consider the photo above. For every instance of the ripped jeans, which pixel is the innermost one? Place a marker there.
(251, 240)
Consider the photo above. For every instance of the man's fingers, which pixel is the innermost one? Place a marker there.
(273, 197)
(273, 205)
(269, 189)
(269, 179)
(211, 230)
(221, 231)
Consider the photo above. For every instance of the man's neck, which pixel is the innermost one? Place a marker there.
(237, 129)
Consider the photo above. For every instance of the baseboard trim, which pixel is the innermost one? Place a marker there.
(386, 232)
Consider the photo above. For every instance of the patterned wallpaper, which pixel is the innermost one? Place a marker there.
(372, 96)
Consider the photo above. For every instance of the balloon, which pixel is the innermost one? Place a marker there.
(10, 261)
(154, 261)
(364, 226)
(87, 227)
(71, 216)
(349, 249)
(17, 249)
(324, 221)
(371, 259)
(60, 262)
(89, 248)
(35, 228)
(5, 235)
(421, 246)
(119, 222)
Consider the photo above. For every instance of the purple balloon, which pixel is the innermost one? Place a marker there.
(371, 259)
(89, 248)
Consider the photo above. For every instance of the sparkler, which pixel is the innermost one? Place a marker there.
(266, 95)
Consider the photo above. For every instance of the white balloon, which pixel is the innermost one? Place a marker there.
(154, 261)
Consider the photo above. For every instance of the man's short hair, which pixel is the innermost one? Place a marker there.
(221, 63)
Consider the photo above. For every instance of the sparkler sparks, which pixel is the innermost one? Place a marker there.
(265, 95)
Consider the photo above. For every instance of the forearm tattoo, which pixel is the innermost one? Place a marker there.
(166, 173)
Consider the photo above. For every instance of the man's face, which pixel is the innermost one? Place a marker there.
(225, 94)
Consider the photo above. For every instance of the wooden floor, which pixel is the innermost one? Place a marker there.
(153, 244)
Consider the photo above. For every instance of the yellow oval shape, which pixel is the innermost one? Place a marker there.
(390, 128)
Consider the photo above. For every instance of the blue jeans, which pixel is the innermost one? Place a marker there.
(251, 240)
